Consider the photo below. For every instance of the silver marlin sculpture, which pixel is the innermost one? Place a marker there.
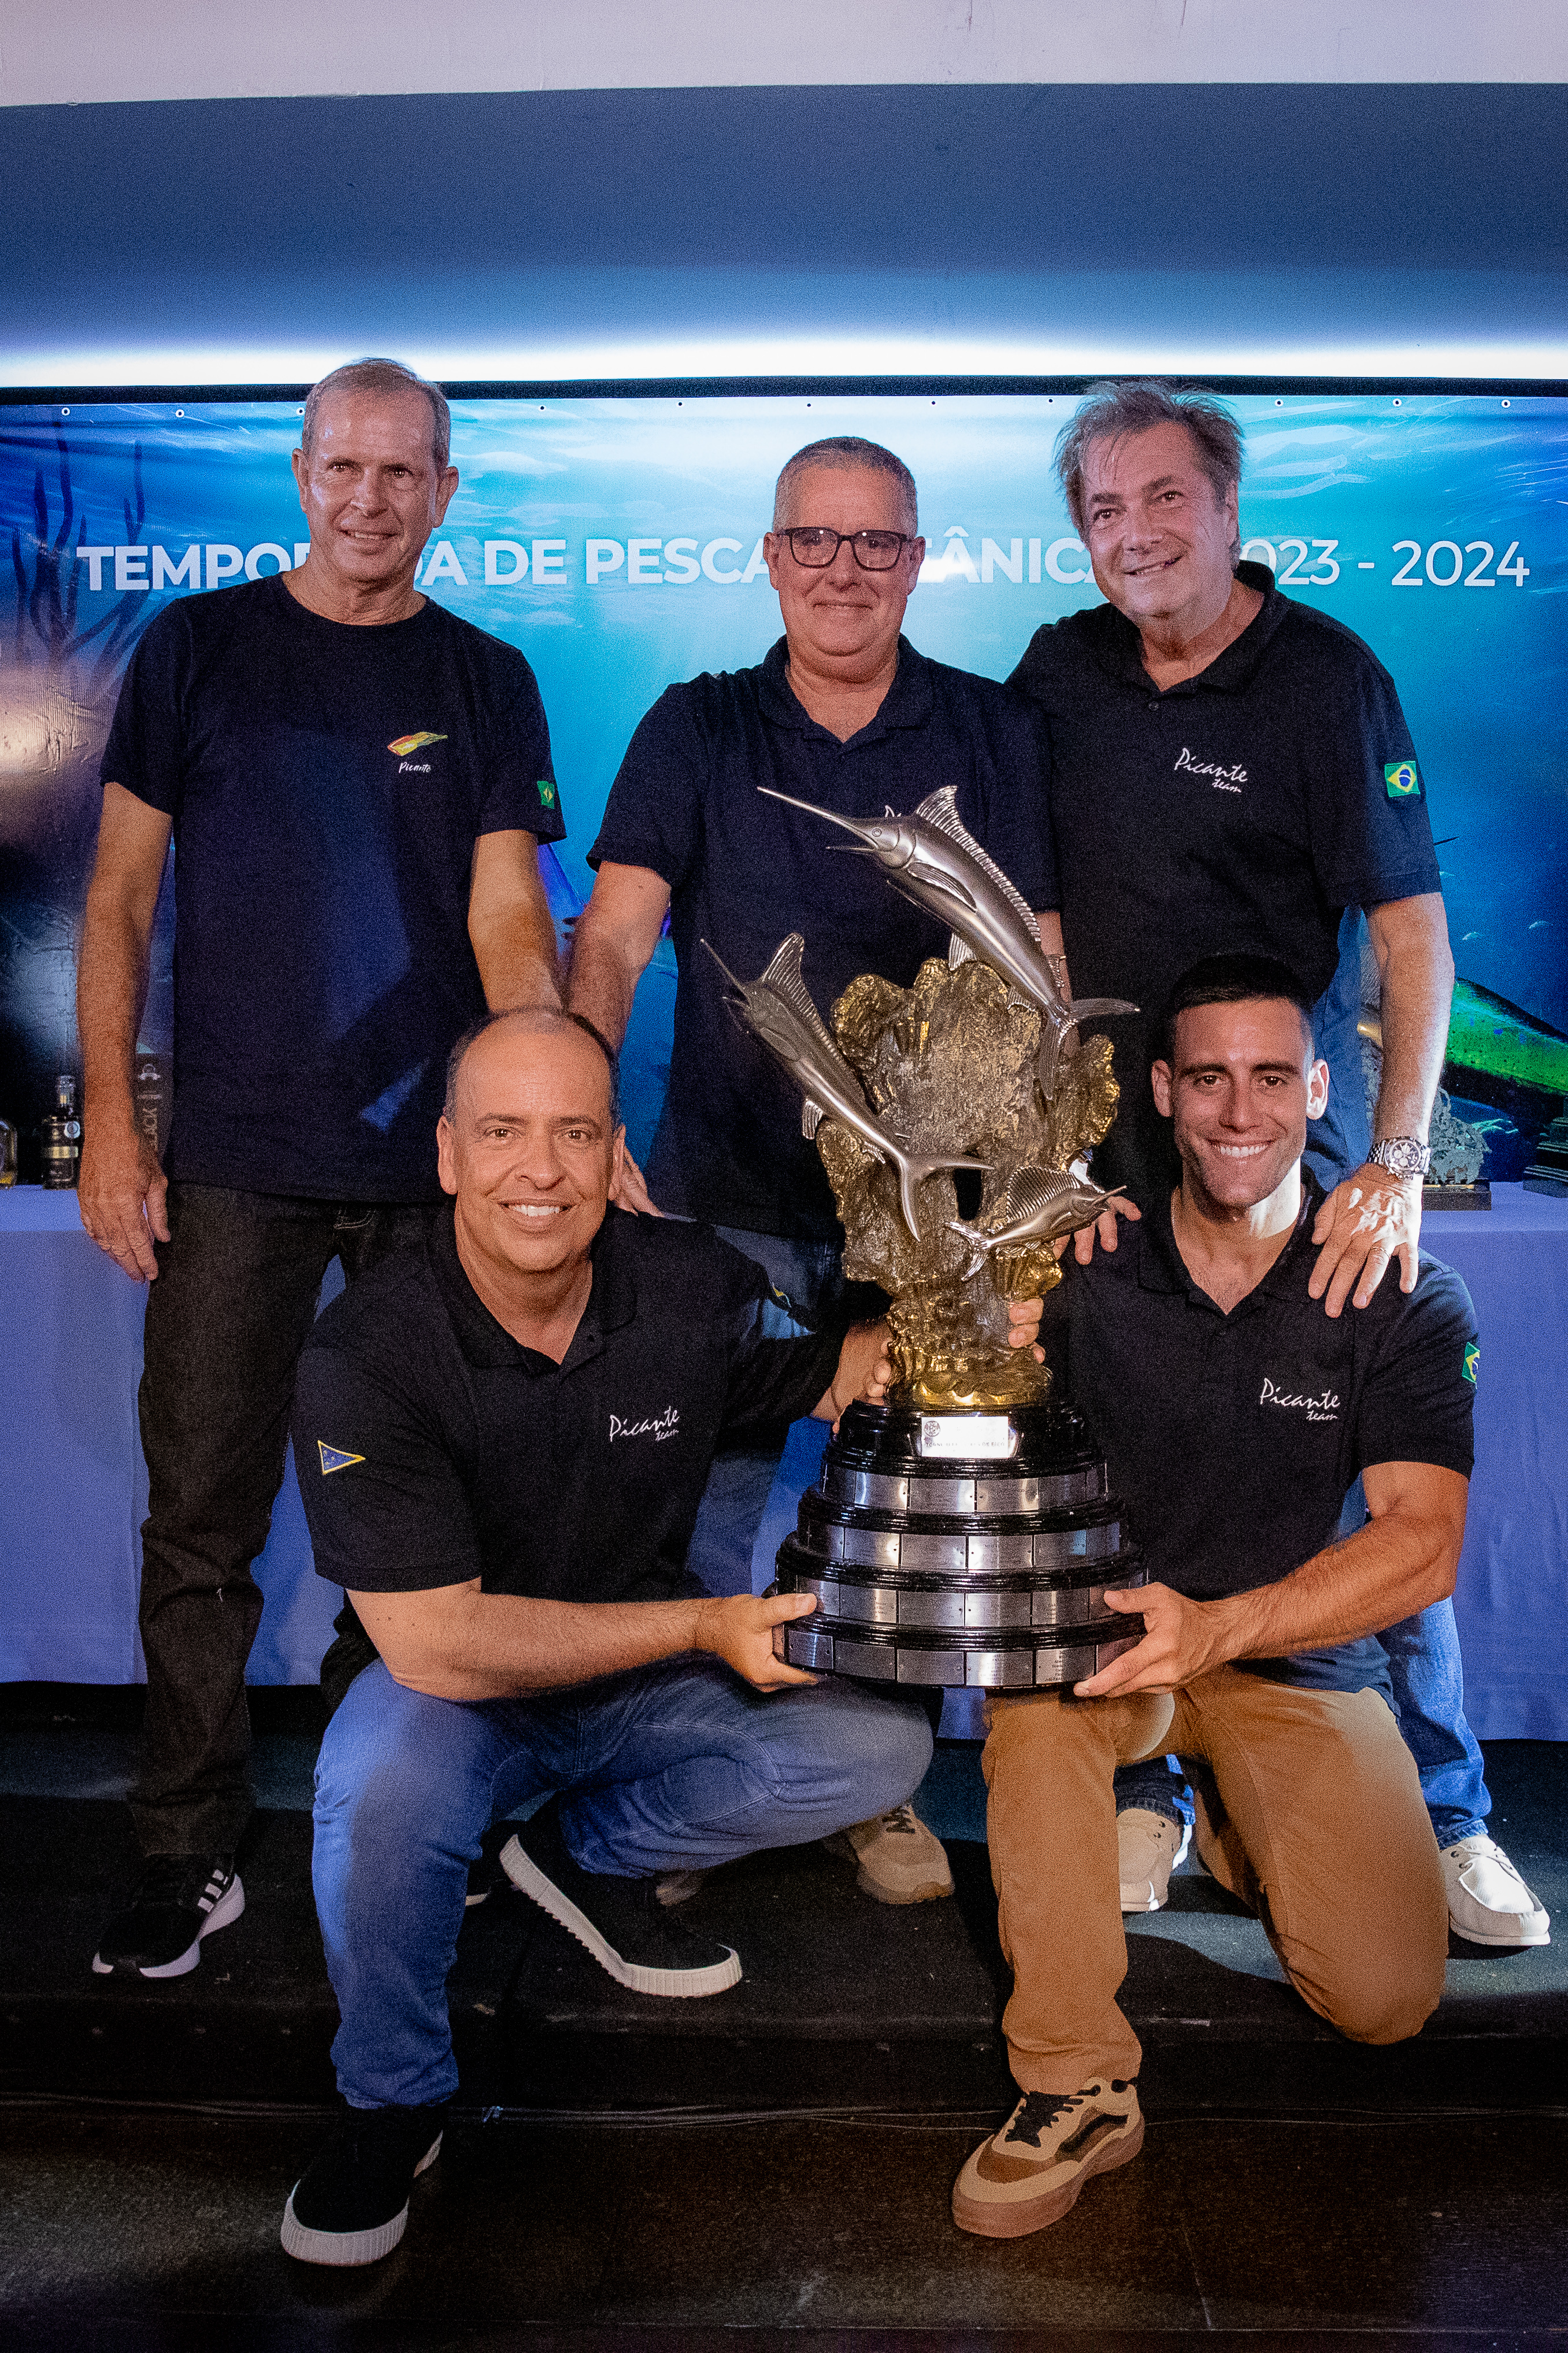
(1038, 1205)
(777, 1007)
(932, 859)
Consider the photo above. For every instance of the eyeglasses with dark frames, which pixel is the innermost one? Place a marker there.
(817, 547)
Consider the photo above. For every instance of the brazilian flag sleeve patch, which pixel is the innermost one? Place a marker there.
(1402, 780)
(1472, 1361)
(334, 1457)
(546, 792)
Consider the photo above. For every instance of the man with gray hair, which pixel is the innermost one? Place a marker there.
(1231, 771)
(844, 713)
(355, 783)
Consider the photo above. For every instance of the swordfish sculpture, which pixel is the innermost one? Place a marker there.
(932, 858)
(777, 1007)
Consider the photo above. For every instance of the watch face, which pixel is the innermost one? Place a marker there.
(1403, 1157)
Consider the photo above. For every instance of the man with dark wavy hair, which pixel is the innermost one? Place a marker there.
(1230, 768)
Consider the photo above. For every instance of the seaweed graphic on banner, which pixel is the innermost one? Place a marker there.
(58, 683)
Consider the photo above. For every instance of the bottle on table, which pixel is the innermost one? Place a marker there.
(60, 1135)
(150, 1096)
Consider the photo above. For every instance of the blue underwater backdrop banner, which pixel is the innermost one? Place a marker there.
(617, 542)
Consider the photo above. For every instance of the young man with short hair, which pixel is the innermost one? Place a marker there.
(1235, 1417)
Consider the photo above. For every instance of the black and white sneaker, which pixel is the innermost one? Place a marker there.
(352, 2205)
(178, 1900)
(621, 1921)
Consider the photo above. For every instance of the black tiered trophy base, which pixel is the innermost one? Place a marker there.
(960, 1549)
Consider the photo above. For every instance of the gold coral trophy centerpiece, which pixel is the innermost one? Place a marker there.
(970, 1069)
(952, 1063)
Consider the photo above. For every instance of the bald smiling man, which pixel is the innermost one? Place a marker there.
(503, 1437)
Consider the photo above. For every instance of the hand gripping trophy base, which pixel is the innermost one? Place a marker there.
(973, 1573)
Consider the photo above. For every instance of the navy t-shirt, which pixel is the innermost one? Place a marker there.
(1235, 1439)
(433, 1448)
(327, 785)
(1244, 809)
(744, 871)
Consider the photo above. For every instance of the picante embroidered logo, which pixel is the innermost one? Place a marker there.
(659, 1428)
(334, 1458)
(1324, 1406)
(1223, 779)
(406, 744)
(1472, 1361)
(1402, 780)
(546, 792)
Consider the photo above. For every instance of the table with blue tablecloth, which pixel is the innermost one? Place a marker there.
(73, 1487)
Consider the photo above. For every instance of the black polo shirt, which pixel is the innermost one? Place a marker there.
(433, 1447)
(744, 871)
(1244, 809)
(327, 784)
(1235, 1439)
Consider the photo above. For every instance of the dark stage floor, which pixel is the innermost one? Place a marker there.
(625, 2171)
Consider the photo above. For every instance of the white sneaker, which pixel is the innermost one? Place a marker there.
(897, 1859)
(1148, 1848)
(1489, 1903)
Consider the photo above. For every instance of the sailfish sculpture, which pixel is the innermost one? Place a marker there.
(932, 859)
(1039, 1206)
(777, 1007)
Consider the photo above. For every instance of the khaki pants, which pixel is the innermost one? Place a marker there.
(1319, 1826)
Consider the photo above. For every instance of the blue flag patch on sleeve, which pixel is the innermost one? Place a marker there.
(334, 1457)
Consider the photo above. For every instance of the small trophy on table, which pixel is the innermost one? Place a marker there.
(963, 1532)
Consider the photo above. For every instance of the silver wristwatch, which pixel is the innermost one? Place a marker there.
(1402, 1156)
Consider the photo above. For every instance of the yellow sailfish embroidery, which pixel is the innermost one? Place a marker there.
(406, 744)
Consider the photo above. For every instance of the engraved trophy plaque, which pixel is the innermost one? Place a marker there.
(964, 1533)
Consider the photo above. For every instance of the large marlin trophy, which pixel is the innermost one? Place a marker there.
(934, 860)
(778, 1008)
(962, 1530)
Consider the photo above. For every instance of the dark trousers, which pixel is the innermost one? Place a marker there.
(234, 1301)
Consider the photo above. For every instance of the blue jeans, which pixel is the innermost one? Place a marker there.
(808, 1277)
(677, 1766)
(1429, 1677)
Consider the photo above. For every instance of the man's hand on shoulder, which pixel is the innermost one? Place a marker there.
(1369, 1220)
(740, 1630)
(630, 1191)
(122, 1196)
(1181, 1638)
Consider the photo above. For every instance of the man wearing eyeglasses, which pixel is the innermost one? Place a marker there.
(843, 712)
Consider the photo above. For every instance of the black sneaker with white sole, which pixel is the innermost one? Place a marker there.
(352, 2205)
(178, 1900)
(620, 1921)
